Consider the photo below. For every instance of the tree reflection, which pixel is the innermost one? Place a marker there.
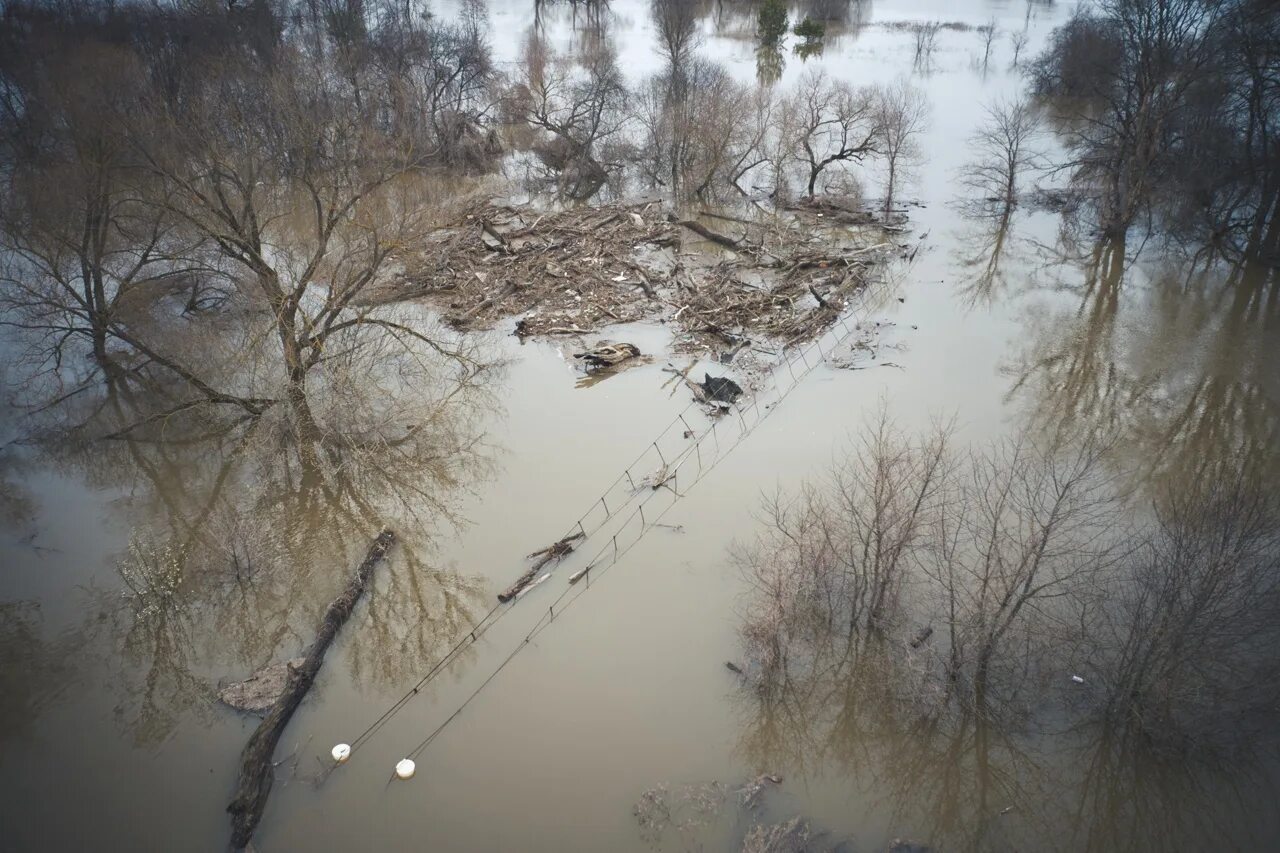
(1007, 570)
(985, 252)
(32, 668)
(245, 529)
(1189, 385)
(1003, 153)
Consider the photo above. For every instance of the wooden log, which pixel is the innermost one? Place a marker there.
(707, 234)
(256, 769)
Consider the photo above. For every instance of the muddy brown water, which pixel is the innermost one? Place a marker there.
(109, 739)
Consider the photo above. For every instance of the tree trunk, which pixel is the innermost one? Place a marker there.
(100, 343)
(256, 768)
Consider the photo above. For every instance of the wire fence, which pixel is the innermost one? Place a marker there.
(665, 471)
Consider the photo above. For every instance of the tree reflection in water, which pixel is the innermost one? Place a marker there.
(916, 622)
(244, 529)
(1177, 361)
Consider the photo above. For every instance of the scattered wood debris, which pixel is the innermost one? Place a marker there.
(553, 553)
(570, 272)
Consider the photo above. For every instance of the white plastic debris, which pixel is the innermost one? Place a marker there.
(341, 752)
(405, 768)
(1077, 679)
(540, 580)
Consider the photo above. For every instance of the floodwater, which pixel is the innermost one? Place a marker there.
(110, 736)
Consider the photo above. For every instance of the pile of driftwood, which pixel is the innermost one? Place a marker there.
(790, 301)
(570, 271)
(717, 279)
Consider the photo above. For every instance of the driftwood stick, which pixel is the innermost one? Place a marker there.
(256, 767)
(481, 306)
(553, 553)
(707, 234)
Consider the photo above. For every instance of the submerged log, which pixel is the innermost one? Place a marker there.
(256, 769)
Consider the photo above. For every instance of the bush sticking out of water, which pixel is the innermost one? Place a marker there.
(810, 30)
(772, 22)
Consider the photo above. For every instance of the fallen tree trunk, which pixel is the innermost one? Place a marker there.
(256, 769)
(707, 234)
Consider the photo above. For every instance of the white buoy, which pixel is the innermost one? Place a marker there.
(1077, 679)
(341, 752)
(405, 768)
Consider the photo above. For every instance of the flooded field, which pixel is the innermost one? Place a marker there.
(151, 552)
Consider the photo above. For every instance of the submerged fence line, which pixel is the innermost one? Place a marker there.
(626, 488)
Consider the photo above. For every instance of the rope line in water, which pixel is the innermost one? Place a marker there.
(599, 566)
(488, 621)
(479, 628)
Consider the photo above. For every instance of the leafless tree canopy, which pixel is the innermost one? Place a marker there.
(1006, 569)
(580, 107)
(1003, 151)
(903, 113)
(832, 122)
(266, 167)
(1172, 108)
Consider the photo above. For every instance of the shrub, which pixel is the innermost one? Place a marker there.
(772, 22)
(810, 30)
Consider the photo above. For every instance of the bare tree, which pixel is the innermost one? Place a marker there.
(435, 79)
(925, 39)
(1021, 528)
(704, 141)
(677, 25)
(829, 569)
(86, 253)
(989, 32)
(579, 106)
(1183, 643)
(1019, 43)
(833, 123)
(308, 228)
(1003, 152)
(903, 112)
(1128, 67)
(991, 544)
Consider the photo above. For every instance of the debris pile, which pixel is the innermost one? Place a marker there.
(570, 272)
(714, 816)
(567, 271)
